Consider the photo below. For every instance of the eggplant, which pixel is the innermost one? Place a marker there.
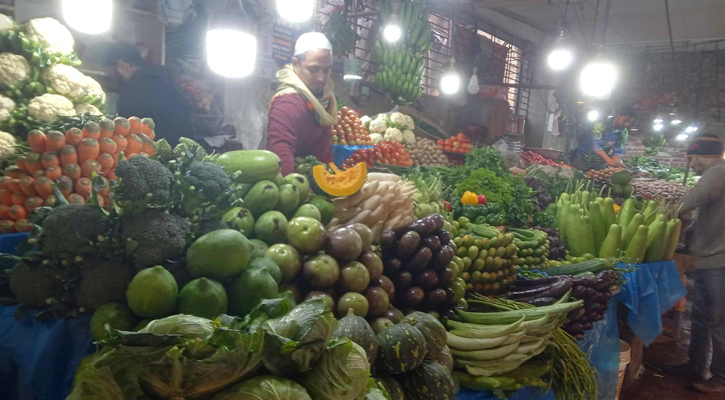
(445, 276)
(610, 276)
(576, 327)
(450, 313)
(407, 245)
(425, 227)
(388, 242)
(601, 286)
(445, 237)
(420, 261)
(414, 296)
(435, 298)
(403, 280)
(587, 281)
(588, 326)
(438, 220)
(556, 289)
(392, 266)
(442, 258)
(576, 315)
(590, 295)
(427, 280)
(593, 316)
(432, 242)
(536, 282)
(578, 291)
(541, 301)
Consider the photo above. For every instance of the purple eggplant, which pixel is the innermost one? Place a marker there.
(435, 298)
(420, 261)
(578, 291)
(427, 280)
(425, 227)
(388, 242)
(432, 242)
(541, 301)
(392, 266)
(602, 285)
(443, 257)
(591, 295)
(445, 237)
(576, 315)
(536, 282)
(407, 245)
(445, 276)
(588, 326)
(403, 280)
(587, 281)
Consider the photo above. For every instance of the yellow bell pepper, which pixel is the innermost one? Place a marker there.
(469, 199)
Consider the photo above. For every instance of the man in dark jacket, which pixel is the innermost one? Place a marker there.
(148, 91)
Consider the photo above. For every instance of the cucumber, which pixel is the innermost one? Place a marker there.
(508, 317)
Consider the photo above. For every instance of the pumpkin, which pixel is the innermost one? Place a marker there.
(431, 381)
(340, 183)
(401, 349)
(435, 334)
(359, 331)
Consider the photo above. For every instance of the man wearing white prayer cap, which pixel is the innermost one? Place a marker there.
(304, 107)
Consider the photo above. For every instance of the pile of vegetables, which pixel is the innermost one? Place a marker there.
(529, 157)
(395, 126)
(349, 129)
(428, 194)
(604, 174)
(532, 248)
(384, 202)
(459, 144)
(490, 213)
(425, 152)
(387, 152)
(557, 249)
(660, 189)
(660, 171)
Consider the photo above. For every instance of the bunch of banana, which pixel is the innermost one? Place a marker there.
(340, 33)
(402, 63)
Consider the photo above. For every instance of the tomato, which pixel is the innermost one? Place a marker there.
(344, 110)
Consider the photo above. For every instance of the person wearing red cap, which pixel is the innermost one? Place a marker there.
(304, 107)
(707, 244)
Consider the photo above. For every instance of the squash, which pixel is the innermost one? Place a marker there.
(431, 381)
(434, 332)
(359, 331)
(340, 183)
(445, 358)
(401, 349)
(395, 391)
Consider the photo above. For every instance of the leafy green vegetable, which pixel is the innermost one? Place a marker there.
(189, 326)
(488, 183)
(342, 372)
(661, 171)
(294, 342)
(489, 158)
(376, 391)
(519, 210)
(266, 387)
(267, 309)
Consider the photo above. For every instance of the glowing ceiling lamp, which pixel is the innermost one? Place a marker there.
(231, 47)
(393, 31)
(658, 121)
(88, 16)
(593, 115)
(562, 55)
(676, 121)
(451, 81)
(658, 127)
(682, 136)
(598, 78)
(296, 10)
(473, 86)
(691, 129)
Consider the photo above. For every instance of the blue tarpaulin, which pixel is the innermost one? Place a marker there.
(343, 152)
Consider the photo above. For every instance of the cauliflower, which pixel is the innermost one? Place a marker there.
(6, 23)
(379, 124)
(366, 121)
(7, 105)
(376, 138)
(409, 123)
(50, 107)
(408, 136)
(398, 119)
(51, 34)
(94, 89)
(7, 145)
(13, 68)
(87, 109)
(66, 80)
(393, 134)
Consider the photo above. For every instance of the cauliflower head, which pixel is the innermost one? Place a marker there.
(87, 109)
(379, 124)
(94, 89)
(393, 134)
(7, 105)
(50, 34)
(408, 136)
(366, 121)
(50, 107)
(398, 119)
(7, 145)
(409, 123)
(6, 23)
(66, 80)
(13, 68)
(376, 138)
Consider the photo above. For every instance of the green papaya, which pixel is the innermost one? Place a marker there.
(247, 290)
(289, 199)
(263, 197)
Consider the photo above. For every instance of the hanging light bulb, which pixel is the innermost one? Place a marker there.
(691, 129)
(598, 78)
(593, 115)
(561, 57)
(392, 31)
(473, 86)
(676, 121)
(296, 10)
(231, 47)
(658, 120)
(451, 81)
(88, 16)
(658, 127)
(682, 136)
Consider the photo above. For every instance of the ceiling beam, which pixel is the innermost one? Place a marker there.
(518, 3)
(524, 20)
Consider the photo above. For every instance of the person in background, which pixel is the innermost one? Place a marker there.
(605, 145)
(148, 91)
(707, 245)
(304, 107)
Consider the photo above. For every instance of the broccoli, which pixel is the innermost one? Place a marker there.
(102, 281)
(142, 178)
(208, 179)
(154, 236)
(35, 284)
(70, 229)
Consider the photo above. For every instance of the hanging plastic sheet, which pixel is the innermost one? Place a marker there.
(343, 152)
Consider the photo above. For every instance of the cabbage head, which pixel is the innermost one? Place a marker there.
(342, 373)
(189, 326)
(267, 387)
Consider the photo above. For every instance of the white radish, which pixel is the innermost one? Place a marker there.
(362, 216)
(377, 229)
(347, 214)
(378, 215)
(389, 224)
(368, 190)
(333, 223)
(377, 176)
(371, 203)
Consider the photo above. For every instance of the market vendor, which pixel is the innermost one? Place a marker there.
(604, 146)
(304, 107)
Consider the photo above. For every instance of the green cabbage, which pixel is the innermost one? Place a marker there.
(189, 326)
(342, 373)
(264, 388)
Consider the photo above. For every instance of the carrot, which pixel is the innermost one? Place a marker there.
(27, 185)
(54, 172)
(136, 125)
(14, 172)
(111, 175)
(37, 174)
(44, 186)
(106, 161)
(121, 143)
(107, 127)
(19, 198)
(37, 141)
(149, 147)
(84, 186)
(6, 197)
(55, 140)
(76, 199)
(74, 136)
(14, 185)
(4, 214)
(65, 185)
(72, 171)
(51, 201)
(89, 167)
(4, 182)
(49, 159)
(91, 130)
(22, 225)
(33, 202)
(135, 144)
(103, 188)
(88, 150)
(68, 155)
(18, 212)
(7, 226)
(107, 145)
(122, 126)
(20, 163)
(148, 127)
(33, 162)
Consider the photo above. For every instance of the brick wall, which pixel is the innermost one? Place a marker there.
(672, 153)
